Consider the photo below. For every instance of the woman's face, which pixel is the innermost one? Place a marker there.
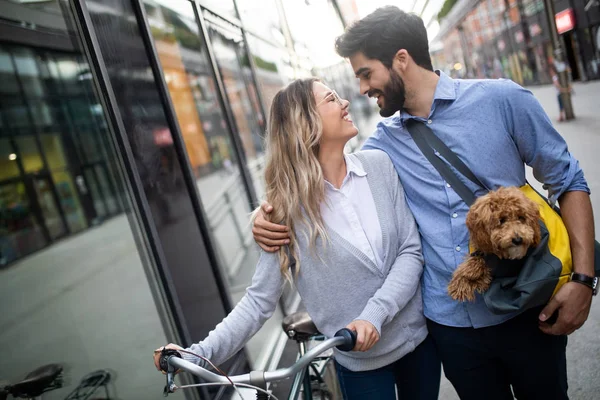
(337, 124)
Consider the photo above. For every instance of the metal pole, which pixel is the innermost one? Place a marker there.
(338, 10)
(559, 60)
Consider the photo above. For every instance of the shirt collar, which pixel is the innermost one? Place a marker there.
(444, 90)
(352, 167)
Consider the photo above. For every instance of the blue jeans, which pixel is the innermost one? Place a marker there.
(416, 375)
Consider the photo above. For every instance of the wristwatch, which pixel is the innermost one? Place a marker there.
(589, 281)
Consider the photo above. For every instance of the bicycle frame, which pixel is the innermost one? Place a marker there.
(344, 340)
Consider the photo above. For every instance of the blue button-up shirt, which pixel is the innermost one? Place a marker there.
(495, 127)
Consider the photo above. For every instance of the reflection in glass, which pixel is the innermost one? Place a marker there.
(65, 301)
(9, 167)
(235, 71)
(195, 99)
(94, 188)
(262, 18)
(224, 7)
(53, 149)
(48, 207)
(20, 234)
(69, 201)
(29, 153)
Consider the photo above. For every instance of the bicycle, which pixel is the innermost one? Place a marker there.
(51, 377)
(311, 381)
(300, 328)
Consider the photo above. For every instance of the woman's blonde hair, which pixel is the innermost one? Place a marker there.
(294, 179)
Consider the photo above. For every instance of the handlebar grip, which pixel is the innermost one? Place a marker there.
(165, 354)
(350, 337)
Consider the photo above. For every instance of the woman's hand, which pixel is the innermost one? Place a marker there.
(366, 334)
(158, 351)
(268, 235)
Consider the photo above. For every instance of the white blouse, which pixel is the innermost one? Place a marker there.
(350, 211)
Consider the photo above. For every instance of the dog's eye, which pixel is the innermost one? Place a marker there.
(521, 218)
(502, 220)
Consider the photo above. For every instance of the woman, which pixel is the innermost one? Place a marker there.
(354, 252)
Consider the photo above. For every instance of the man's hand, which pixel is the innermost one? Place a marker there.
(573, 302)
(366, 334)
(268, 235)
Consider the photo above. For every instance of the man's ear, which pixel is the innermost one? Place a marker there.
(401, 60)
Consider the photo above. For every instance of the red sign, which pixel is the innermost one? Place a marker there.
(565, 20)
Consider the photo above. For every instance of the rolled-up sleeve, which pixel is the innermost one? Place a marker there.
(540, 145)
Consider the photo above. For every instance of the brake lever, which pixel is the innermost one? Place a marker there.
(165, 355)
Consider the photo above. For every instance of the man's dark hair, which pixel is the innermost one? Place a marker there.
(382, 33)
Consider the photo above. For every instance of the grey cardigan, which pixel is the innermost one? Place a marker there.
(338, 284)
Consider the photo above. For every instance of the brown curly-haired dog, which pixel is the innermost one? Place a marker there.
(503, 222)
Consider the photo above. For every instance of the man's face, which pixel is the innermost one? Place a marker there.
(376, 80)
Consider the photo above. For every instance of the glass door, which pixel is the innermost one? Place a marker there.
(48, 207)
(20, 230)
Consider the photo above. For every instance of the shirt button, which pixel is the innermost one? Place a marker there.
(454, 215)
(429, 121)
(448, 185)
(457, 248)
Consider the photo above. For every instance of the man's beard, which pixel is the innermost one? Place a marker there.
(394, 95)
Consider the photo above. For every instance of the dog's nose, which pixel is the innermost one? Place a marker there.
(517, 240)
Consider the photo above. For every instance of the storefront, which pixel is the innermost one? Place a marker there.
(55, 175)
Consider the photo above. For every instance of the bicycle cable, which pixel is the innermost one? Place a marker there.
(245, 385)
(217, 369)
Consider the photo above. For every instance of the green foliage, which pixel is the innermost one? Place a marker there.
(446, 8)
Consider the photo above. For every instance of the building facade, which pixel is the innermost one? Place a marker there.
(131, 155)
(511, 39)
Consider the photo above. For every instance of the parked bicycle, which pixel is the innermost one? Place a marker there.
(298, 327)
(51, 377)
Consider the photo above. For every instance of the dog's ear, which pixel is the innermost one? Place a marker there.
(480, 220)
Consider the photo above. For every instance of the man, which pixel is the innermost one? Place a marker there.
(495, 127)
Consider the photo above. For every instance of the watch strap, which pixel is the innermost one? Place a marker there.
(589, 281)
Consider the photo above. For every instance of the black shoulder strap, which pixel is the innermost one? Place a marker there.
(426, 140)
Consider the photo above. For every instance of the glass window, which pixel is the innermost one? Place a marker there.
(62, 302)
(270, 63)
(8, 83)
(41, 113)
(48, 206)
(30, 154)
(8, 160)
(20, 235)
(235, 71)
(28, 72)
(107, 189)
(69, 201)
(15, 112)
(225, 7)
(207, 140)
(54, 151)
(262, 18)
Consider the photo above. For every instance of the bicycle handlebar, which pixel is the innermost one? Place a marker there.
(171, 361)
